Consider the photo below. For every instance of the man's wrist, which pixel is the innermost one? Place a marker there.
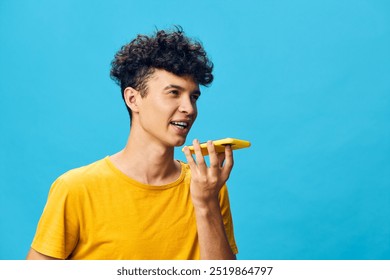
(207, 206)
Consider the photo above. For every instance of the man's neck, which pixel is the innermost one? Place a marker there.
(147, 161)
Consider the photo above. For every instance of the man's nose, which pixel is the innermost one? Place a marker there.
(187, 106)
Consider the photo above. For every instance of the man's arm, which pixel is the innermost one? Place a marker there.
(34, 255)
(206, 182)
(213, 242)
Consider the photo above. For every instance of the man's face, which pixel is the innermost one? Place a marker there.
(168, 111)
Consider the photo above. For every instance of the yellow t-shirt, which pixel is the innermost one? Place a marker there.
(97, 212)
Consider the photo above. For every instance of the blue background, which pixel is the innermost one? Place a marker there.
(307, 82)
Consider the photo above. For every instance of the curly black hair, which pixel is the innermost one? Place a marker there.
(172, 51)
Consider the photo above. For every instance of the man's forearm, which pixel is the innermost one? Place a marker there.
(213, 242)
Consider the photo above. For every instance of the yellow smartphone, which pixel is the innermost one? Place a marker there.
(220, 144)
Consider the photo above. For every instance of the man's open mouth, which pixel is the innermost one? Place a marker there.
(181, 125)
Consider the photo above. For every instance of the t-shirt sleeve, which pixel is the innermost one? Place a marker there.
(57, 231)
(227, 218)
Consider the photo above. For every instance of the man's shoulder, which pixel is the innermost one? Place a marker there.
(83, 174)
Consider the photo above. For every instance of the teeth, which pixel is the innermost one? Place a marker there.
(180, 124)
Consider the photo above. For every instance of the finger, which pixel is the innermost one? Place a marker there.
(221, 159)
(190, 159)
(229, 162)
(198, 155)
(214, 161)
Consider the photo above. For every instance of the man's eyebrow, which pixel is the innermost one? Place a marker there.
(173, 86)
(197, 91)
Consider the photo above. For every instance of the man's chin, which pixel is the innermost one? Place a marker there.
(180, 142)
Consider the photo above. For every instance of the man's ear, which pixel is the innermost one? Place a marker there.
(131, 97)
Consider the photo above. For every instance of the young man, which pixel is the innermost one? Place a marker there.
(141, 203)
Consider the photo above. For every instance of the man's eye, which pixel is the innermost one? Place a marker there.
(195, 97)
(174, 92)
